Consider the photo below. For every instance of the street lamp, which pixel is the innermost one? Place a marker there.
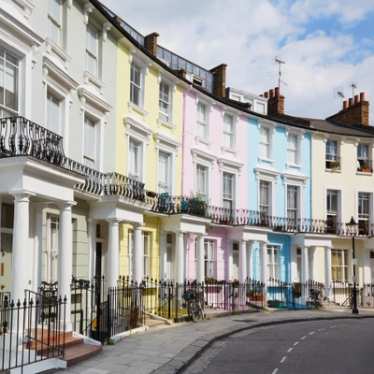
(353, 226)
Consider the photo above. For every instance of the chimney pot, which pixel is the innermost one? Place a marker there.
(276, 91)
(350, 102)
(271, 93)
(362, 96)
(266, 94)
(275, 102)
(345, 105)
(356, 99)
(150, 43)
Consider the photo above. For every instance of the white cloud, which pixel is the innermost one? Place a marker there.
(248, 34)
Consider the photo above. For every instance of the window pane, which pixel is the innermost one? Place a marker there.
(331, 150)
(8, 82)
(202, 121)
(89, 142)
(7, 216)
(135, 85)
(202, 181)
(292, 144)
(228, 131)
(164, 100)
(55, 9)
(292, 202)
(265, 197)
(135, 159)
(53, 113)
(164, 172)
(265, 142)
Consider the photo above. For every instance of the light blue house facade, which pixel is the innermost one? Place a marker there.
(279, 167)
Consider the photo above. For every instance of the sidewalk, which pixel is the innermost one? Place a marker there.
(170, 348)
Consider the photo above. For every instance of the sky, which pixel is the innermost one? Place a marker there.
(327, 44)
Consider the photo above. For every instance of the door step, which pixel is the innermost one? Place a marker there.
(80, 352)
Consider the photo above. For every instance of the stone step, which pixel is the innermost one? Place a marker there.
(80, 352)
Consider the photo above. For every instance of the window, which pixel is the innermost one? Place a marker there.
(228, 190)
(364, 200)
(202, 182)
(332, 209)
(364, 162)
(9, 94)
(273, 262)
(292, 149)
(92, 50)
(339, 265)
(235, 261)
(164, 172)
(265, 143)
(55, 18)
(6, 229)
(165, 101)
(135, 160)
(293, 203)
(210, 259)
(265, 198)
(202, 121)
(53, 113)
(228, 131)
(136, 85)
(90, 143)
(332, 157)
(147, 237)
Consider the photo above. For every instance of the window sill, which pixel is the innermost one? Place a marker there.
(265, 160)
(57, 50)
(228, 150)
(89, 78)
(293, 166)
(338, 171)
(364, 173)
(167, 124)
(142, 112)
(202, 141)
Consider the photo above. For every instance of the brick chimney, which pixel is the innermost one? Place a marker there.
(355, 111)
(275, 101)
(150, 43)
(219, 80)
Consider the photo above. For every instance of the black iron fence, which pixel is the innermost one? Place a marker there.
(294, 295)
(31, 331)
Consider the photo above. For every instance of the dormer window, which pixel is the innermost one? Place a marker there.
(364, 164)
(332, 155)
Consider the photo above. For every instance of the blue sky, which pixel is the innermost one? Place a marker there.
(327, 44)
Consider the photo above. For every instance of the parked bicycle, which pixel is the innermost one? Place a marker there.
(193, 299)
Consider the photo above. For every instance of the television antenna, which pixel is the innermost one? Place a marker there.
(280, 63)
(341, 94)
(354, 88)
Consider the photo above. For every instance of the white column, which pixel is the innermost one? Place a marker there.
(179, 256)
(20, 245)
(91, 238)
(264, 263)
(200, 268)
(242, 261)
(249, 260)
(328, 274)
(65, 258)
(163, 254)
(112, 255)
(305, 271)
(38, 246)
(138, 274)
(312, 251)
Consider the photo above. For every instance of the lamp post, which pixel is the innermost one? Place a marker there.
(353, 226)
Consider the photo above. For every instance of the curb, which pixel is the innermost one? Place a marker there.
(193, 351)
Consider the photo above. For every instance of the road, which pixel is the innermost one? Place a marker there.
(318, 347)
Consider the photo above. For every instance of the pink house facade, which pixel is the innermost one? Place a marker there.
(214, 170)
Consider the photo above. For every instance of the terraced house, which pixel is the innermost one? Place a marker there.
(120, 159)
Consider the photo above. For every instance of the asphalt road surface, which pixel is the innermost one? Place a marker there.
(319, 347)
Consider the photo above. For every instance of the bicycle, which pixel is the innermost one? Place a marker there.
(194, 306)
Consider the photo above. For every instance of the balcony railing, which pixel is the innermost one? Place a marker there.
(365, 166)
(22, 137)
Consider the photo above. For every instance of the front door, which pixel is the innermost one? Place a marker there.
(98, 260)
(6, 239)
(50, 254)
(169, 265)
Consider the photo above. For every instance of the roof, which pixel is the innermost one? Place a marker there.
(312, 124)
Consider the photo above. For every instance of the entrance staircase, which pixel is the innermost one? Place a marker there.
(76, 349)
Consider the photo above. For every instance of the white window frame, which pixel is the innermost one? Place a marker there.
(147, 259)
(170, 155)
(207, 180)
(210, 261)
(234, 189)
(96, 122)
(58, 23)
(339, 200)
(296, 150)
(363, 217)
(140, 142)
(274, 261)
(269, 143)
(343, 265)
(298, 200)
(231, 134)
(59, 96)
(140, 86)
(166, 117)
(4, 110)
(270, 196)
(90, 54)
(199, 123)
